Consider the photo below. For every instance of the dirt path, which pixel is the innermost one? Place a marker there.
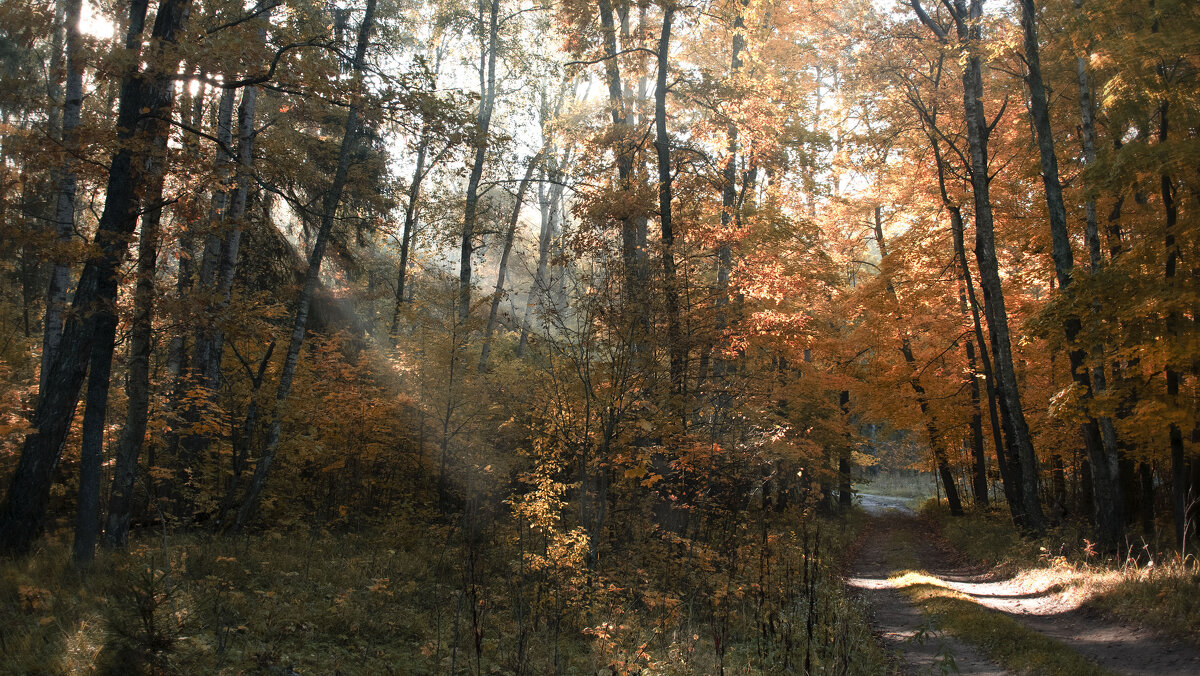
(1037, 603)
(904, 629)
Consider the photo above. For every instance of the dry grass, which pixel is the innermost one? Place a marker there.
(1005, 640)
(898, 484)
(1160, 591)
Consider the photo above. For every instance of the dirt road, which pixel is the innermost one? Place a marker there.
(1040, 605)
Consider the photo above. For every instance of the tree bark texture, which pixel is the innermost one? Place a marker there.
(1102, 452)
(483, 122)
(23, 512)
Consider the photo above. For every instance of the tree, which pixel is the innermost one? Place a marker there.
(92, 322)
(965, 18)
(329, 209)
(483, 122)
(1101, 448)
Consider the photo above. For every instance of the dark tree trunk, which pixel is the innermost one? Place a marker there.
(1179, 474)
(1146, 474)
(188, 447)
(729, 208)
(137, 387)
(845, 481)
(935, 437)
(91, 450)
(333, 198)
(624, 152)
(483, 121)
(675, 346)
(1006, 459)
(24, 506)
(410, 229)
(1101, 449)
(979, 483)
(967, 15)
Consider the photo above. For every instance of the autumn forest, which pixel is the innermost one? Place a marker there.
(615, 337)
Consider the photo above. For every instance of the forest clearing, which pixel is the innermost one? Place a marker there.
(599, 337)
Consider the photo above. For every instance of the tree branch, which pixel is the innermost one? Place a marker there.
(259, 11)
(928, 21)
(606, 57)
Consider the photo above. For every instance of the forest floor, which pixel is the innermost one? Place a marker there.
(941, 614)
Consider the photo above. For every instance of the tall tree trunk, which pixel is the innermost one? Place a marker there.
(188, 447)
(137, 387)
(845, 480)
(214, 242)
(675, 346)
(24, 506)
(624, 151)
(177, 351)
(979, 484)
(1010, 474)
(333, 198)
(935, 438)
(729, 205)
(551, 203)
(64, 212)
(219, 264)
(967, 21)
(1124, 468)
(91, 450)
(483, 122)
(410, 226)
(1179, 474)
(509, 235)
(1102, 450)
(1006, 456)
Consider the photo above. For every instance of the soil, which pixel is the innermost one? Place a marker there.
(1041, 604)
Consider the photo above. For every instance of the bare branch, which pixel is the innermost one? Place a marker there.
(606, 57)
(258, 11)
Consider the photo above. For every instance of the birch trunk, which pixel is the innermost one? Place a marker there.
(483, 122)
(64, 212)
(509, 235)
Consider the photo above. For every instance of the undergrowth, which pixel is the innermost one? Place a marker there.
(405, 599)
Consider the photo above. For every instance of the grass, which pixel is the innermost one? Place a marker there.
(1165, 597)
(1160, 591)
(1003, 639)
(898, 484)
